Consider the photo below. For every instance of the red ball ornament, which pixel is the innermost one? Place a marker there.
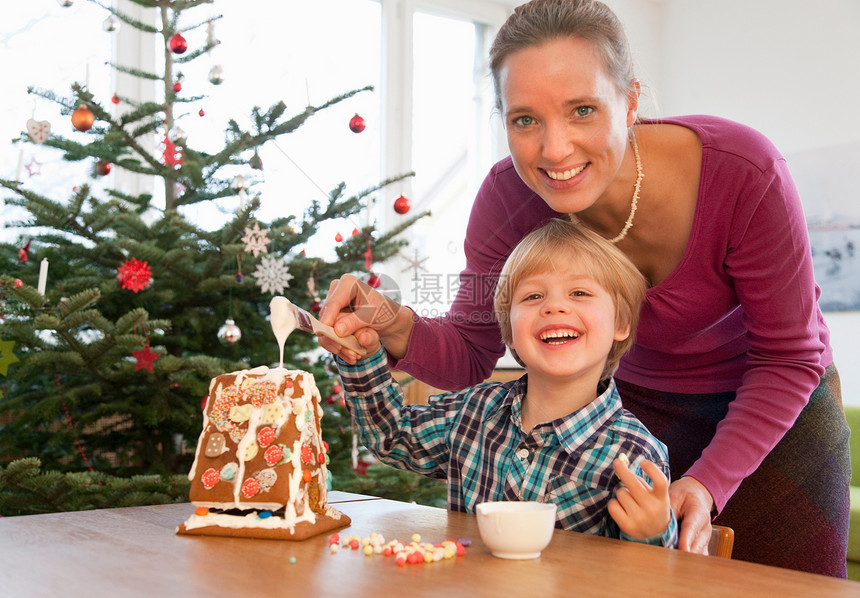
(402, 205)
(373, 281)
(356, 124)
(19, 283)
(177, 43)
(338, 237)
(83, 119)
(102, 167)
(115, 99)
(177, 87)
(316, 306)
(201, 112)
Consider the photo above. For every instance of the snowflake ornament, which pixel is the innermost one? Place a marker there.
(255, 240)
(273, 275)
(134, 275)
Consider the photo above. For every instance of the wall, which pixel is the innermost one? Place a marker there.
(785, 67)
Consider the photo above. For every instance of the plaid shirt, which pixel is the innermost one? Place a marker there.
(474, 440)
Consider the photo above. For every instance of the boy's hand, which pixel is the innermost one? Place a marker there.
(640, 510)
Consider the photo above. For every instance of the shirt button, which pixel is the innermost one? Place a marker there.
(523, 453)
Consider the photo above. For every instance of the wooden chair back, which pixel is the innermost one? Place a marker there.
(722, 541)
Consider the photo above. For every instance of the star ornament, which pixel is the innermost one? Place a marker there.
(134, 275)
(255, 240)
(7, 358)
(145, 358)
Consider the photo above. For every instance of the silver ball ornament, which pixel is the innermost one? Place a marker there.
(229, 333)
(216, 75)
(110, 24)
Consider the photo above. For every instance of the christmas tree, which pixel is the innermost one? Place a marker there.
(116, 311)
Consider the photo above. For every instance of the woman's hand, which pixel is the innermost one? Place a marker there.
(693, 505)
(352, 307)
(640, 510)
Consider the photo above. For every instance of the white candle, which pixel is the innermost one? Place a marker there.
(43, 275)
(20, 164)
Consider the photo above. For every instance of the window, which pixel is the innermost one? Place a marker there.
(430, 111)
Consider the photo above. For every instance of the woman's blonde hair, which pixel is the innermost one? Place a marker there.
(560, 245)
(540, 21)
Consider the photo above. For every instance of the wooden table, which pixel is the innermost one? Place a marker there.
(135, 552)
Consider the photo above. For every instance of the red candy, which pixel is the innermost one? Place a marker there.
(334, 539)
(273, 455)
(307, 475)
(265, 436)
(307, 454)
(250, 487)
(210, 477)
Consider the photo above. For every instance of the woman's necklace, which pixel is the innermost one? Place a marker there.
(634, 203)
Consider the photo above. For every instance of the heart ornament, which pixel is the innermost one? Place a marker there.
(38, 130)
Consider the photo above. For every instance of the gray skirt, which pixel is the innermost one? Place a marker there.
(793, 510)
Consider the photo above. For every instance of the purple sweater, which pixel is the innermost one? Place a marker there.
(739, 313)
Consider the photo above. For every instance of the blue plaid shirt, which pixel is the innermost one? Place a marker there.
(474, 439)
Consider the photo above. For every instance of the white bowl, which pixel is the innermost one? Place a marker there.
(516, 530)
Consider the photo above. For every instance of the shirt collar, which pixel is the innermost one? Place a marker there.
(574, 429)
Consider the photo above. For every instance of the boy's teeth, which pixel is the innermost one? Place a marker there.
(564, 175)
(561, 335)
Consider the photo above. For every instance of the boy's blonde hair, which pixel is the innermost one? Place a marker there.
(556, 246)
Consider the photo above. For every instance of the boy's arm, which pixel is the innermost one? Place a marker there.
(412, 437)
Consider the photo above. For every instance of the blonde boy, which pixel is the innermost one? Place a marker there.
(567, 302)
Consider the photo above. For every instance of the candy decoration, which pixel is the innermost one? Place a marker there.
(229, 333)
(250, 488)
(273, 454)
(307, 455)
(145, 358)
(412, 553)
(83, 119)
(134, 275)
(402, 205)
(265, 436)
(177, 43)
(210, 477)
(307, 476)
(38, 130)
(7, 358)
(356, 124)
(201, 511)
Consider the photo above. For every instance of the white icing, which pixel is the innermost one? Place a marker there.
(283, 322)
